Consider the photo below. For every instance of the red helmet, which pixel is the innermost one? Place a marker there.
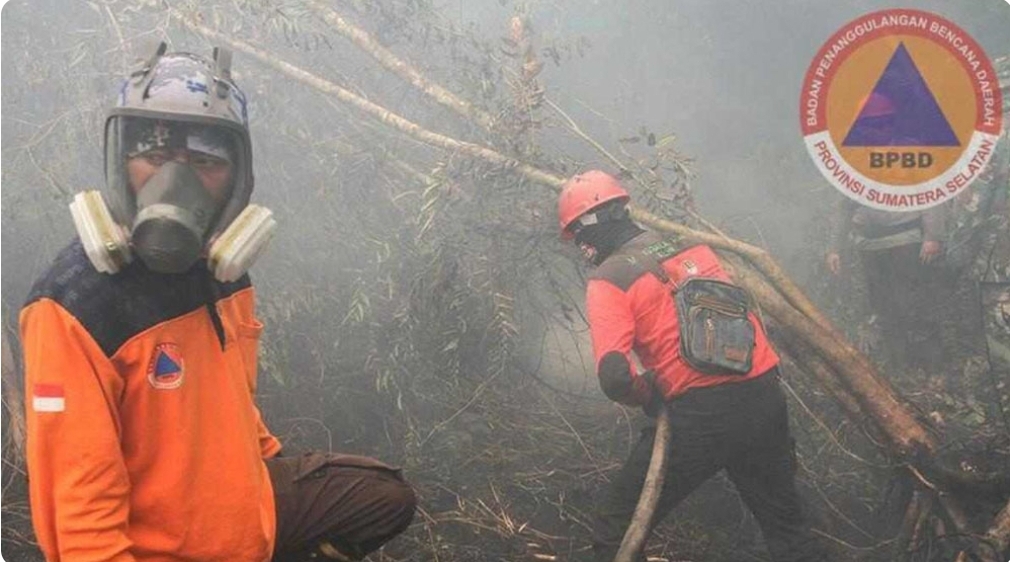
(585, 192)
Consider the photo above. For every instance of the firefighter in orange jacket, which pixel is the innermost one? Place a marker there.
(729, 416)
(144, 439)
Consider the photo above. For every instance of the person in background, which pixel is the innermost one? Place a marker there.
(902, 256)
(140, 344)
(707, 360)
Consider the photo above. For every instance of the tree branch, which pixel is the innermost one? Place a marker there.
(390, 61)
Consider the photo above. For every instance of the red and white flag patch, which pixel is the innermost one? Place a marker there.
(48, 398)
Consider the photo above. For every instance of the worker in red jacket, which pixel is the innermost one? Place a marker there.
(706, 359)
(140, 345)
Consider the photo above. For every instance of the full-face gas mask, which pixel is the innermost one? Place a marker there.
(178, 174)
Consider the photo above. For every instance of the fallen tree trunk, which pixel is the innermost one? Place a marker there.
(397, 66)
(645, 510)
(776, 293)
(756, 255)
(906, 435)
(389, 60)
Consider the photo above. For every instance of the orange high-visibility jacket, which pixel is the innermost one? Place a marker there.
(629, 309)
(144, 441)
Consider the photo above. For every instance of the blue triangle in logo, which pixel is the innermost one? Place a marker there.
(165, 365)
(901, 110)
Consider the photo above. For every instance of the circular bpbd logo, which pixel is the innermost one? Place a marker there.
(901, 110)
(166, 368)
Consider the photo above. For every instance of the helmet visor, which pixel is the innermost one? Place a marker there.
(132, 136)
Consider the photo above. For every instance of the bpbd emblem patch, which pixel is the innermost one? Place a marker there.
(166, 368)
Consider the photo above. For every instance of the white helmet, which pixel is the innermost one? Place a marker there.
(186, 89)
(175, 100)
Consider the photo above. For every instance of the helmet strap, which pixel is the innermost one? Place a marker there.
(145, 71)
(222, 70)
(140, 79)
(222, 78)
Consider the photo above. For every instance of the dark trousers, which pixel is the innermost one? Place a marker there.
(911, 300)
(741, 427)
(355, 504)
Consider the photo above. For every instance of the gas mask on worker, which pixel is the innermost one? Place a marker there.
(174, 213)
(164, 235)
(176, 104)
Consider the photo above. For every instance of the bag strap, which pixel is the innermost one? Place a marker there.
(639, 258)
(654, 267)
(651, 263)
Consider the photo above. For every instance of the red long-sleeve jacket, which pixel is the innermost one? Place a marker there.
(144, 441)
(629, 309)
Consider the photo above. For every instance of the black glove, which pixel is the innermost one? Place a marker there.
(656, 401)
